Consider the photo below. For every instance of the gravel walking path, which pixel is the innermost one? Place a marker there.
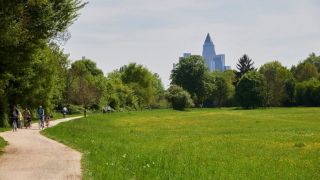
(30, 155)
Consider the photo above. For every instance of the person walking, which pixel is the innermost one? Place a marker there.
(40, 112)
(20, 124)
(27, 118)
(64, 111)
(15, 118)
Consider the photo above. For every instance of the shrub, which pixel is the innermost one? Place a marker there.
(308, 93)
(179, 98)
(74, 109)
(251, 90)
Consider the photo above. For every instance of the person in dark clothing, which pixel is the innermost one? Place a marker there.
(40, 112)
(15, 118)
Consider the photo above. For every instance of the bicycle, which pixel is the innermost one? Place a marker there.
(41, 123)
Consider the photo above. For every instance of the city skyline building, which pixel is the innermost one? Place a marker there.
(214, 62)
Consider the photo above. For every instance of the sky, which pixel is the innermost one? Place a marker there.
(156, 33)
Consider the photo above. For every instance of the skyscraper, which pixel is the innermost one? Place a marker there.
(215, 62)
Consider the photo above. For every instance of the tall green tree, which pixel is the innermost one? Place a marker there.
(144, 83)
(314, 59)
(244, 65)
(87, 83)
(117, 94)
(251, 90)
(305, 71)
(216, 90)
(276, 75)
(190, 74)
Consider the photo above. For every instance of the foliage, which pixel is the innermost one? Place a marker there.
(244, 65)
(251, 90)
(290, 91)
(29, 66)
(308, 93)
(314, 59)
(75, 109)
(276, 75)
(117, 94)
(178, 97)
(146, 86)
(190, 73)
(216, 90)
(305, 71)
(198, 144)
(86, 86)
(230, 77)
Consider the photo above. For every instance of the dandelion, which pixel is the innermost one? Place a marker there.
(124, 156)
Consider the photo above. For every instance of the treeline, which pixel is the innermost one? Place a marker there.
(34, 70)
(270, 85)
(132, 87)
(32, 67)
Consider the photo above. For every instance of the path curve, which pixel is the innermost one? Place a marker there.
(30, 155)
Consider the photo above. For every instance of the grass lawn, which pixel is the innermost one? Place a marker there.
(277, 143)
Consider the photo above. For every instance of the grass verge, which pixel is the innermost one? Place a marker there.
(3, 143)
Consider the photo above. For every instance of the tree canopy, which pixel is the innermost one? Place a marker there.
(190, 73)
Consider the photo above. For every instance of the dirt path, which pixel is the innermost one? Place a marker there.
(30, 155)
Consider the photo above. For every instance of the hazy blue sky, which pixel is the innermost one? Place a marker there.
(155, 33)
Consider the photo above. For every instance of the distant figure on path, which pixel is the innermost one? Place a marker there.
(40, 112)
(15, 118)
(64, 111)
(20, 124)
(27, 118)
(47, 119)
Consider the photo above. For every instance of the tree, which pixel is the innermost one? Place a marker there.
(308, 93)
(305, 71)
(276, 76)
(216, 90)
(314, 59)
(179, 98)
(251, 90)
(86, 88)
(290, 91)
(245, 64)
(26, 27)
(145, 84)
(230, 78)
(190, 73)
(117, 94)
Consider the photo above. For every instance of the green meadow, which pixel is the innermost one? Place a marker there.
(276, 143)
